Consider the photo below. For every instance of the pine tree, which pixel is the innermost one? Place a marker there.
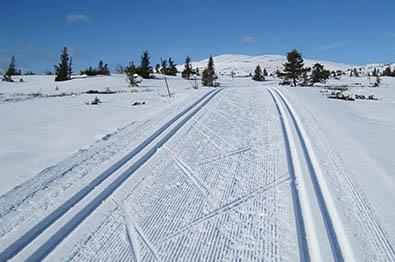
(145, 69)
(355, 72)
(374, 72)
(157, 68)
(208, 75)
(187, 72)
(293, 69)
(258, 75)
(319, 74)
(172, 69)
(387, 71)
(163, 69)
(12, 70)
(378, 81)
(69, 68)
(265, 72)
(62, 69)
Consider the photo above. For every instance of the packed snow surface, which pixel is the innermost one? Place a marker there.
(248, 171)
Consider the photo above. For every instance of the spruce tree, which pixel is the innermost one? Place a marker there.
(208, 75)
(378, 81)
(387, 72)
(355, 72)
(187, 72)
(163, 69)
(172, 69)
(145, 69)
(374, 72)
(157, 68)
(293, 69)
(62, 69)
(69, 68)
(319, 74)
(258, 75)
(265, 72)
(11, 71)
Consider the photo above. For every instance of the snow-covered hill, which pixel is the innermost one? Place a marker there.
(243, 65)
(370, 67)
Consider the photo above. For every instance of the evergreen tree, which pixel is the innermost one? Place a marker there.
(265, 72)
(208, 75)
(378, 81)
(12, 70)
(374, 72)
(258, 75)
(157, 68)
(69, 68)
(63, 71)
(145, 69)
(355, 72)
(387, 72)
(187, 72)
(102, 69)
(319, 74)
(293, 69)
(172, 69)
(163, 69)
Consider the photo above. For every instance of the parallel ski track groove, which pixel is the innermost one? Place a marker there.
(300, 224)
(340, 247)
(39, 228)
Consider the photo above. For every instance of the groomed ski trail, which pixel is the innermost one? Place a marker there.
(122, 169)
(339, 244)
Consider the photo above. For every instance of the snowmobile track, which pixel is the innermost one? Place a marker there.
(38, 229)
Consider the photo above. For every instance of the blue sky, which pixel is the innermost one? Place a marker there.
(353, 31)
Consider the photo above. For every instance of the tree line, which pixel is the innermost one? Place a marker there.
(294, 72)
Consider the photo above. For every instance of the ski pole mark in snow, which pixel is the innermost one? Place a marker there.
(225, 208)
(131, 231)
(189, 173)
(215, 134)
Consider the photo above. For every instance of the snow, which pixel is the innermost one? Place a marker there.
(248, 171)
(243, 65)
(44, 131)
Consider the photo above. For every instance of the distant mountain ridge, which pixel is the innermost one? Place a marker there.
(243, 65)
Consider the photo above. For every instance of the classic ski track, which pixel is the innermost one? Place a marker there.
(364, 213)
(298, 191)
(340, 246)
(167, 201)
(29, 236)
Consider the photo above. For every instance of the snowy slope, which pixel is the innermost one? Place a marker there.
(248, 171)
(243, 65)
(42, 121)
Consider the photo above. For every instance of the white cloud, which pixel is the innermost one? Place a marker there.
(248, 40)
(71, 18)
(330, 46)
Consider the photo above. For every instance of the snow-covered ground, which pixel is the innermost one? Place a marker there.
(42, 131)
(248, 171)
(243, 65)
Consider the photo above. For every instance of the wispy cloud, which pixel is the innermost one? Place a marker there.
(248, 40)
(71, 18)
(330, 46)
